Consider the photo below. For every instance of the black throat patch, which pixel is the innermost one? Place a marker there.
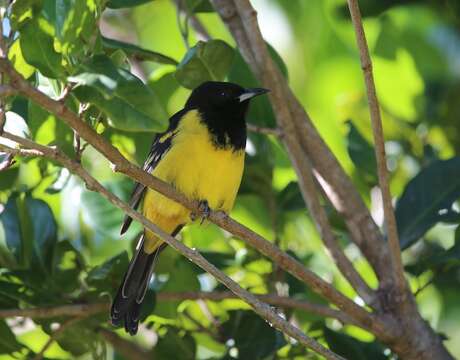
(228, 130)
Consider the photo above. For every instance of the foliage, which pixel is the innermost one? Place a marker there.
(59, 242)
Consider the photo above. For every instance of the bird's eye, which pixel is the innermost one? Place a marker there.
(223, 94)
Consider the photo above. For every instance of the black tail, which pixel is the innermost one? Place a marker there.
(127, 304)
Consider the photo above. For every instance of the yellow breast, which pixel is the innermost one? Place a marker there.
(197, 168)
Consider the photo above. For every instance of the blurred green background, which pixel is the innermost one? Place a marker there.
(56, 237)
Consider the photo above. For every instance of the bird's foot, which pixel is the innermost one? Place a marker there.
(203, 211)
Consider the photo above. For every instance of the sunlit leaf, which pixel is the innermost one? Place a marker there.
(22, 11)
(18, 61)
(37, 47)
(129, 104)
(75, 24)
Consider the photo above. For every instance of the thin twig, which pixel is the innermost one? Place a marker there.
(94, 308)
(183, 27)
(55, 335)
(80, 309)
(121, 164)
(261, 308)
(200, 30)
(376, 120)
(265, 130)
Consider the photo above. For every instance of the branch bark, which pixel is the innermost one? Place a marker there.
(94, 308)
(259, 307)
(377, 129)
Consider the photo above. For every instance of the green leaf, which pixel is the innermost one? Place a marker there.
(164, 83)
(260, 111)
(44, 230)
(183, 276)
(75, 24)
(108, 276)
(199, 6)
(118, 4)
(206, 61)
(66, 267)
(22, 11)
(428, 199)
(129, 104)
(175, 345)
(30, 231)
(99, 213)
(137, 52)
(18, 61)
(253, 337)
(37, 41)
(438, 260)
(362, 154)
(290, 198)
(351, 348)
(10, 234)
(80, 339)
(8, 342)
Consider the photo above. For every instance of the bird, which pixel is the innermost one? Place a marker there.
(201, 154)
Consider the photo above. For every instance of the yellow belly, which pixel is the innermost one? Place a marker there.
(199, 170)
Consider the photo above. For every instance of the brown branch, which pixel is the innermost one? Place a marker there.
(265, 130)
(259, 307)
(55, 335)
(200, 30)
(377, 129)
(128, 349)
(302, 165)
(94, 308)
(296, 122)
(122, 165)
(55, 311)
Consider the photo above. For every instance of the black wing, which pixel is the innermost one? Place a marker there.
(160, 146)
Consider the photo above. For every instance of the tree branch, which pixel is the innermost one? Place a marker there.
(264, 130)
(259, 307)
(94, 308)
(377, 129)
(263, 65)
(294, 121)
(55, 335)
(121, 164)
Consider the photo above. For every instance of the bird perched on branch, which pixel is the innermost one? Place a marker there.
(202, 155)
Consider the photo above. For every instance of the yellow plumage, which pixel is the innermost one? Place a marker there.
(197, 168)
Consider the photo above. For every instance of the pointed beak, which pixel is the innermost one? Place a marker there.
(250, 93)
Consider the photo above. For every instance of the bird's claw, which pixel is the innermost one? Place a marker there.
(203, 211)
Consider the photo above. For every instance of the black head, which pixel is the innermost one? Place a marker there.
(223, 106)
